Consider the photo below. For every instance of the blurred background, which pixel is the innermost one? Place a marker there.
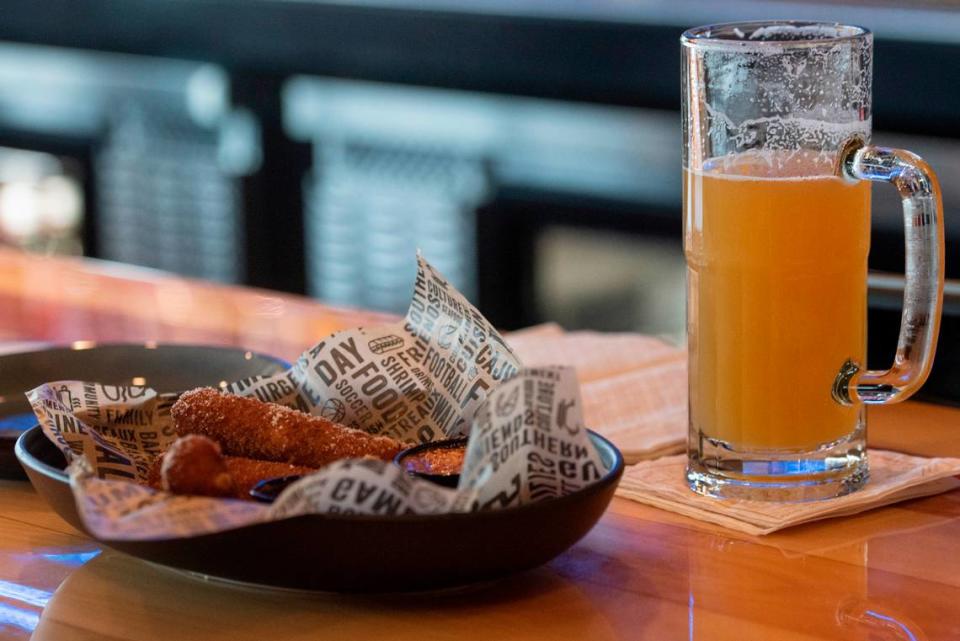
(530, 148)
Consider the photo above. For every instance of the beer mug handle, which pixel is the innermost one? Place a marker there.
(923, 289)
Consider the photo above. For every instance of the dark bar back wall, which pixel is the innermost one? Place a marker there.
(312, 146)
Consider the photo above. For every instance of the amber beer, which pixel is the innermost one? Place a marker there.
(780, 270)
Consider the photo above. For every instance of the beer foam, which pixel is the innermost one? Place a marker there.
(766, 164)
(827, 131)
(799, 32)
(775, 89)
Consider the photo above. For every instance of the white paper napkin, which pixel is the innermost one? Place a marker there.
(894, 477)
(634, 387)
(634, 390)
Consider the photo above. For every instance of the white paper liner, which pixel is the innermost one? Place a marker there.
(534, 418)
(894, 477)
(634, 387)
(421, 379)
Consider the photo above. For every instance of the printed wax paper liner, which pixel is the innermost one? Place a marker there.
(634, 387)
(894, 477)
(421, 379)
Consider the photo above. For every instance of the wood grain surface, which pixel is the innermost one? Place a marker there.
(892, 573)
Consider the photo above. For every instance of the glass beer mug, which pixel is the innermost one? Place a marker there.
(776, 190)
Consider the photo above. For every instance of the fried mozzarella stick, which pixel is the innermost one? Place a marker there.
(254, 429)
(247, 472)
(193, 464)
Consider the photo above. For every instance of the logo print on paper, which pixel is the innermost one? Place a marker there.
(333, 410)
(446, 336)
(563, 408)
(66, 397)
(385, 344)
(508, 403)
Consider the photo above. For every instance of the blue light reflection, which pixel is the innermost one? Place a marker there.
(24, 593)
(13, 616)
(890, 619)
(73, 559)
(26, 618)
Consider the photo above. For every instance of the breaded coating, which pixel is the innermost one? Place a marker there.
(251, 428)
(193, 465)
(247, 472)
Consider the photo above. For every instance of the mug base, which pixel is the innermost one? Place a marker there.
(718, 470)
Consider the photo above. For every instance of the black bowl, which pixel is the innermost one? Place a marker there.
(351, 553)
(165, 368)
(446, 480)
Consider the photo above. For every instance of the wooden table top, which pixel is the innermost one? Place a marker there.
(641, 573)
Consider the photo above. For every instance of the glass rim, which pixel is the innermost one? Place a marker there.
(733, 35)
